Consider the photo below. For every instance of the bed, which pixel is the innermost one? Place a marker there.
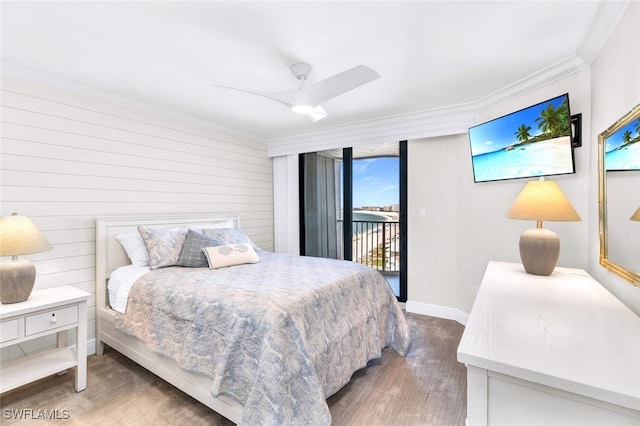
(262, 339)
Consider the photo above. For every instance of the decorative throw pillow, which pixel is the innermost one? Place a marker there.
(230, 255)
(135, 248)
(192, 255)
(164, 246)
(230, 236)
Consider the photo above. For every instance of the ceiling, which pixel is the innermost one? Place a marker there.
(167, 56)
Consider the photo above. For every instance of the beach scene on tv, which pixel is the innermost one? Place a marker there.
(535, 141)
(623, 148)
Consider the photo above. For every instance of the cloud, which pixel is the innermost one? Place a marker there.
(387, 188)
(362, 166)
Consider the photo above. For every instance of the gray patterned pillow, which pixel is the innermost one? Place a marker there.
(230, 236)
(191, 255)
(164, 246)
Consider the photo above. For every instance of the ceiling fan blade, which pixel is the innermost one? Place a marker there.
(338, 84)
(285, 98)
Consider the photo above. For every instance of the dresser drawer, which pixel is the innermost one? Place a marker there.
(50, 320)
(8, 330)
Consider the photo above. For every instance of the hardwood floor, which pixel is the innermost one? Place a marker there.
(427, 387)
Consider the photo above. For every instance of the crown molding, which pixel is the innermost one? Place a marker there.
(609, 15)
(561, 69)
(431, 123)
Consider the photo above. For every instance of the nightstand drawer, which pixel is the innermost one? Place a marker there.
(51, 320)
(8, 330)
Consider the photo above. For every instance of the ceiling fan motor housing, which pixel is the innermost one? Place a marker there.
(301, 71)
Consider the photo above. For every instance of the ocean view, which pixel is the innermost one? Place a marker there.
(370, 216)
(541, 158)
(623, 159)
(374, 216)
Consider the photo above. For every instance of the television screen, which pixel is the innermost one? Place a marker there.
(623, 148)
(532, 142)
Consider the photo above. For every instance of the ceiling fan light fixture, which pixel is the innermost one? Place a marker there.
(314, 113)
(302, 109)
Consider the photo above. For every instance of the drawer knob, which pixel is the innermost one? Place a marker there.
(54, 320)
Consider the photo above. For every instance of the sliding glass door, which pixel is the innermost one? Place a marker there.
(353, 204)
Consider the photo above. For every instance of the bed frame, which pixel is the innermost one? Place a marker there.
(109, 256)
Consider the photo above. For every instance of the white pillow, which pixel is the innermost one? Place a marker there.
(134, 246)
(230, 255)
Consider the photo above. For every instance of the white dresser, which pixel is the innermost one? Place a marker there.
(556, 350)
(55, 310)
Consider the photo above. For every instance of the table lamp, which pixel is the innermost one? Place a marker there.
(18, 235)
(541, 200)
(636, 215)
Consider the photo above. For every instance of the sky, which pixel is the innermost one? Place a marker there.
(376, 182)
(500, 133)
(615, 140)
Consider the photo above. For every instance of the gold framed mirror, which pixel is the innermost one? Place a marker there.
(619, 196)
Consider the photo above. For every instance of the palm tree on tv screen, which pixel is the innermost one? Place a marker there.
(522, 133)
(554, 122)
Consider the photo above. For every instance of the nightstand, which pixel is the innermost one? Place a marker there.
(54, 310)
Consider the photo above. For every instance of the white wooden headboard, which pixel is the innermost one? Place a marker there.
(110, 254)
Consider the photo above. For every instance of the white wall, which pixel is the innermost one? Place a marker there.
(466, 224)
(66, 159)
(615, 90)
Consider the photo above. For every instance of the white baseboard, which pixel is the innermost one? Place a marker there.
(91, 347)
(437, 311)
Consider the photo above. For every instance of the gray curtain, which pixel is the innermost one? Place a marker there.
(320, 206)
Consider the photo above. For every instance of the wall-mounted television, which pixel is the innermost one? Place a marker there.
(534, 141)
(622, 149)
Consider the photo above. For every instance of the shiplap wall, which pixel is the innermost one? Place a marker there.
(66, 159)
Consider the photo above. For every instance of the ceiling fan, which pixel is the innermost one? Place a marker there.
(307, 100)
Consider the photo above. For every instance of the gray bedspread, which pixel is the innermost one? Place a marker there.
(279, 336)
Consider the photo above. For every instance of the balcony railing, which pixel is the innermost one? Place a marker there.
(377, 244)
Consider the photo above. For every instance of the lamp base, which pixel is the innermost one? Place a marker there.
(16, 280)
(539, 251)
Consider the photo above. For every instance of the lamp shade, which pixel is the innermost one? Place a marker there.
(543, 200)
(636, 215)
(19, 235)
